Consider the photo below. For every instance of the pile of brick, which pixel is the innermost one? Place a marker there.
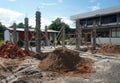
(109, 48)
(11, 50)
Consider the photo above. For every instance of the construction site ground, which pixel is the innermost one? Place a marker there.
(106, 69)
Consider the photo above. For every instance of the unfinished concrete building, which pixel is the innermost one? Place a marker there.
(107, 24)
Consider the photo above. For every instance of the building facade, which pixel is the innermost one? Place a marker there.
(107, 24)
(8, 34)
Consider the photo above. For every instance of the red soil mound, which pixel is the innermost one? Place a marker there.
(109, 48)
(65, 60)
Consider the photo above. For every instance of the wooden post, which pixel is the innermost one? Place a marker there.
(46, 38)
(38, 31)
(94, 35)
(63, 35)
(26, 41)
(14, 33)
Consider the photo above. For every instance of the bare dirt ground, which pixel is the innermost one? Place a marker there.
(106, 70)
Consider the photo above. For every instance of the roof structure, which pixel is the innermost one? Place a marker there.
(96, 13)
(22, 29)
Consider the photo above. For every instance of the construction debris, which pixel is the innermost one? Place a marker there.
(109, 48)
(11, 50)
(65, 60)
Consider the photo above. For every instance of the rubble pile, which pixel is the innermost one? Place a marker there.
(64, 60)
(109, 48)
(11, 50)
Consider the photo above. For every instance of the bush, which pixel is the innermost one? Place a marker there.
(20, 43)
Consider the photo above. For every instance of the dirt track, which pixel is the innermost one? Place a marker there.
(106, 68)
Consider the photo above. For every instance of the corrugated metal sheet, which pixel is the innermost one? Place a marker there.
(99, 12)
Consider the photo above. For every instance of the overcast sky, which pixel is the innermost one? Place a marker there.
(16, 10)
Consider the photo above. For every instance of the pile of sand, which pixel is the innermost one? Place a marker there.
(65, 60)
(109, 48)
(11, 50)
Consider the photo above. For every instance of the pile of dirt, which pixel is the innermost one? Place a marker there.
(11, 50)
(109, 48)
(65, 60)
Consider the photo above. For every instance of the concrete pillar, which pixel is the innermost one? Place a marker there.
(94, 35)
(55, 39)
(26, 30)
(117, 17)
(110, 34)
(78, 35)
(63, 35)
(38, 31)
(100, 20)
(46, 38)
(14, 33)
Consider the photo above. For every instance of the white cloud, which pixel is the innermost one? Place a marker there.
(95, 7)
(60, 1)
(48, 4)
(12, 0)
(7, 16)
(47, 22)
(44, 22)
(66, 20)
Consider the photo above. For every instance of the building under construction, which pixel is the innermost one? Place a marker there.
(105, 22)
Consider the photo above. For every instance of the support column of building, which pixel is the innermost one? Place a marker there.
(46, 38)
(94, 35)
(14, 33)
(117, 17)
(38, 31)
(110, 34)
(100, 20)
(26, 41)
(63, 34)
(55, 40)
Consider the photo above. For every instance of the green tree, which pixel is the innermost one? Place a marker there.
(57, 24)
(2, 29)
(20, 25)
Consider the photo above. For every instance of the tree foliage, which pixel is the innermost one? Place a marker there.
(2, 29)
(57, 25)
(20, 25)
